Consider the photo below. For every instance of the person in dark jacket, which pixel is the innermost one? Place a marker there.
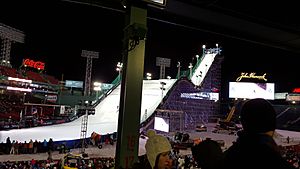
(255, 146)
(208, 154)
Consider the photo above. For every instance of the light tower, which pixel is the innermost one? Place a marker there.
(203, 49)
(178, 70)
(8, 35)
(162, 89)
(191, 69)
(89, 55)
(163, 63)
(197, 57)
(119, 69)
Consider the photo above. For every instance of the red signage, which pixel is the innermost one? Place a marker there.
(34, 64)
(296, 90)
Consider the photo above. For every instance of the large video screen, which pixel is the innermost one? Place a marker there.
(248, 90)
(161, 124)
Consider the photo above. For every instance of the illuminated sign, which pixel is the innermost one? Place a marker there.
(51, 98)
(251, 76)
(34, 64)
(72, 83)
(296, 90)
(201, 96)
(293, 97)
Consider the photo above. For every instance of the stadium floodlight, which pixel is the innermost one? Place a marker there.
(203, 49)
(218, 49)
(8, 35)
(13, 34)
(119, 68)
(149, 76)
(178, 64)
(97, 88)
(124, 3)
(197, 57)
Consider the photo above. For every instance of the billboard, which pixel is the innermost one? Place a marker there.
(51, 98)
(201, 95)
(106, 86)
(293, 97)
(280, 95)
(250, 90)
(34, 64)
(72, 83)
(161, 124)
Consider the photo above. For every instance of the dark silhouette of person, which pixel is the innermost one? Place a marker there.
(208, 154)
(255, 146)
(8, 145)
(50, 148)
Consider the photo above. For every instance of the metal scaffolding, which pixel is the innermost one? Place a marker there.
(8, 35)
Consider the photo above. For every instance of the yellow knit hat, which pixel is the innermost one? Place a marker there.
(155, 145)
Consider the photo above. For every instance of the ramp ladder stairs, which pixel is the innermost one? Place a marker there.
(83, 131)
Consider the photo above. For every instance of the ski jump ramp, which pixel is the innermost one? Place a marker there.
(104, 121)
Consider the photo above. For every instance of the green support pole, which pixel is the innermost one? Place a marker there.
(131, 90)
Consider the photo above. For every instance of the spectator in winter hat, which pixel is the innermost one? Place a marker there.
(255, 146)
(158, 149)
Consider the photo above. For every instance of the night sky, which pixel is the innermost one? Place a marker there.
(56, 33)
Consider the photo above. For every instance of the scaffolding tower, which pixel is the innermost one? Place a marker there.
(84, 124)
